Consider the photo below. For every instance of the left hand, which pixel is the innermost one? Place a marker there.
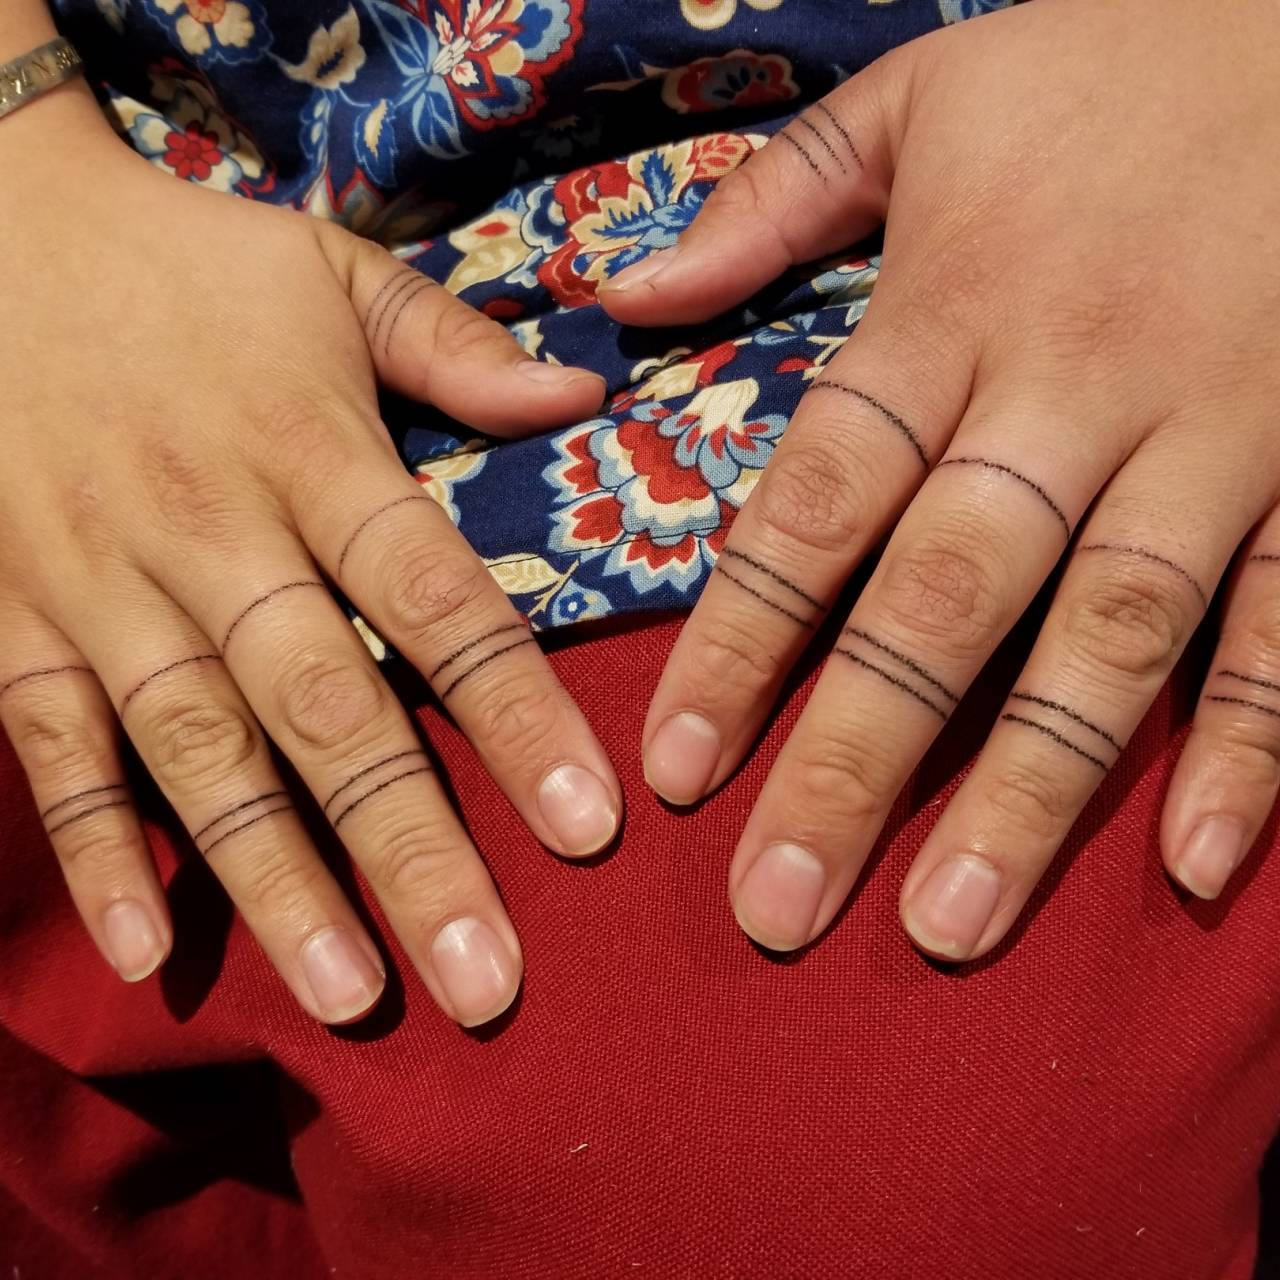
(1072, 348)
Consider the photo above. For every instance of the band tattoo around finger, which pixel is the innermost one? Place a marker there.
(1258, 680)
(400, 308)
(370, 518)
(276, 801)
(808, 159)
(817, 133)
(80, 795)
(743, 558)
(927, 697)
(740, 557)
(408, 279)
(240, 808)
(87, 813)
(377, 790)
(264, 599)
(474, 644)
(764, 599)
(393, 278)
(893, 419)
(372, 768)
(1026, 481)
(484, 662)
(40, 674)
(1049, 705)
(155, 675)
(244, 826)
(1245, 702)
(1061, 739)
(1150, 556)
(841, 130)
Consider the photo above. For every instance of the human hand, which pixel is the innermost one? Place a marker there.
(191, 445)
(1071, 348)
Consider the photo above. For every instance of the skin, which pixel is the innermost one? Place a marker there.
(171, 501)
(1070, 357)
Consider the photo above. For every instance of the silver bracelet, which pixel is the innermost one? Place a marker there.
(24, 79)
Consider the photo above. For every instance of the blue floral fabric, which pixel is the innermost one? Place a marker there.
(522, 151)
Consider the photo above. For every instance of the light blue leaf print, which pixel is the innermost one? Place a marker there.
(659, 178)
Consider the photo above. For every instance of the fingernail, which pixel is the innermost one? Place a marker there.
(476, 970)
(952, 908)
(1212, 852)
(133, 942)
(647, 269)
(682, 758)
(343, 979)
(778, 899)
(579, 809)
(554, 375)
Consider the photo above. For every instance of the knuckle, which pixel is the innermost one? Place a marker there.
(191, 497)
(57, 742)
(512, 718)
(93, 851)
(425, 593)
(728, 652)
(1258, 636)
(808, 495)
(1028, 798)
(415, 868)
(280, 885)
(185, 742)
(942, 589)
(1128, 623)
(844, 775)
(1248, 751)
(459, 331)
(329, 700)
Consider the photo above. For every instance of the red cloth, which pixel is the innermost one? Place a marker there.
(666, 1100)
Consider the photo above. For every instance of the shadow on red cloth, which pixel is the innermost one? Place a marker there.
(1095, 1099)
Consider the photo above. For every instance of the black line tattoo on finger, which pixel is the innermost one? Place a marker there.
(910, 665)
(404, 302)
(1015, 475)
(1258, 680)
(889, 416)
(87, 813)
(80, 795)
(407, 282)
(896, 681)
(1050, 705)
(240, 808)
(155, 675)
(355, 777)
(770, 573)
(370, 518)
(244, 826)
(831, 151)
(808, 159)
(484, 662)
(1143, 554)
(1246, 702)
(471, 644)
(764, 599)
(398, 274)
(841, 130)
(373, 791)
(40, 675)
(261, 600)
(1057, 737)
(1255, 559)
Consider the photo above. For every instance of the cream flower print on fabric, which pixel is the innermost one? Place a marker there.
(707, 15)
(334, 55)
(204, 24)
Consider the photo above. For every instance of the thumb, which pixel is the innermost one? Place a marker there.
(428, 344)
(820, 184)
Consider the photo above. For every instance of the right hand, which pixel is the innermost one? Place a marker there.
(191, 444)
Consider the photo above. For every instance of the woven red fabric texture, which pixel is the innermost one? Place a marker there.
(665, 1100)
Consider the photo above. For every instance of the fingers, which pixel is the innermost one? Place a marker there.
(315, 689)
(860, 444)
(202, 745)
(65, 734)
(427, 344)
(1137, 585)
(1228, 774)
(396, 554)
(821, 183)
(963, 564)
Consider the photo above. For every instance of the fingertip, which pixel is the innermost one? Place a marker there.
(135, 943)
(682, 757)
(1209, 856)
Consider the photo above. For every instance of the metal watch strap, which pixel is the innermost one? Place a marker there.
(24, 79)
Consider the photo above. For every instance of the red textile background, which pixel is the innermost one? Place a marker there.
(665, 1099)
